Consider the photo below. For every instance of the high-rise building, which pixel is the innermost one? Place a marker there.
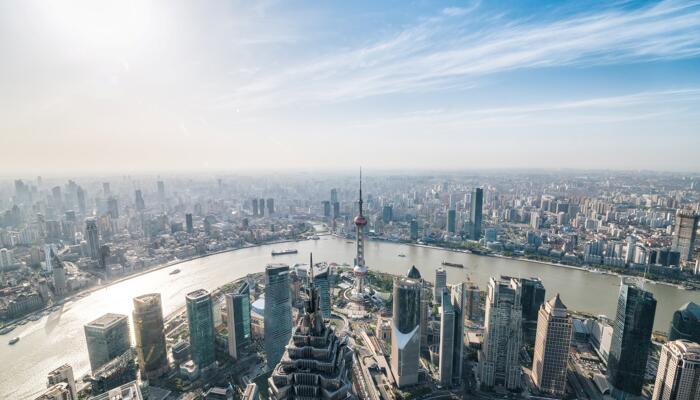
(270, 206)
(472, 301)
(447, 342)
(106, 190)
(498, 357)
(278, 312)
(685, 323)
(92, 237)
(336, 209)
(188, 223)
(80, 194)
(458, 306)
(405, 335)
(139, 203)
(387, 213)
(113, 207)
(552, 348)
(685, 233)
(316, 363)
(360, 270)
(678, 373)
(451, 220)
(475, 213)
(326, 208)
(334, 195)
(59, 391)
(532, 294)
(200, 318)
(107, 337)
(261, 207)
(64, 373)
(238, 319)
(425, 297)
(161, 192)
(255, 207)
(440, 283)
(414, 230)
(321, 280)
(59, 275)
(149, 332)
(631, 340)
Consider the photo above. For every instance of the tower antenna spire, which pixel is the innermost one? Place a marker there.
(311, 267)
(360, 191)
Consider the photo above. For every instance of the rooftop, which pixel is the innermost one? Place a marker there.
(106, 320)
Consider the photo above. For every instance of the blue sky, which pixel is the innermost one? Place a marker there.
(214, 85)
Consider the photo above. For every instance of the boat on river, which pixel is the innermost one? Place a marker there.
(14, 340)
(284, 252)
(451, 264)
(175, 271)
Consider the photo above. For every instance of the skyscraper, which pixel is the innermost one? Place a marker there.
(451, 220)
(414, 230)
(278, 312)
(686, 323)
(139, 203)
(472, 300)
(334, 195)
(678, 374)
(440, 283)
(149, 332)
(107, 337)
(92, 237)
(458, 306)
(425, 297)
(59, 275)
(552, 348)
(161, 192)
(324, 294)
(188, 223)
(498, 357)
(238, 319)
(200, 319)
(684, 234)
(270, 206)
(255, 207)
(447, 342)
(532, 294)
(261, 207)
(64, 373)
(475, 213)
(360, 270)
(405, 335)
(316, 363)
(631, 340)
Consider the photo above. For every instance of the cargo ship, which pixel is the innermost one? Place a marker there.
(14, 340)
(175, 271)
(283, 252)
(451, 264)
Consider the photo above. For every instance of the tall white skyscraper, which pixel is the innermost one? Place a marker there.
(678, 374)
(447, 342)
(278, 312)
(552, 348)
(405, 335)
(498, 357)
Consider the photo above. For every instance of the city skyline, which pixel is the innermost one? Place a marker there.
(208, 86)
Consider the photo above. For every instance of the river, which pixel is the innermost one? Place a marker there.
(58, 338)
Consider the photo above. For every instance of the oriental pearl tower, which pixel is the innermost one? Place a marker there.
(360, 270)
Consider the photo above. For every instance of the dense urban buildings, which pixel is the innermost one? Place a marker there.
(278, 312)
(631, 340)
(405, 334)
(107, 337)
(149, 332)
(200, 321)
(678, 373)
(552, 343)
(498, 358)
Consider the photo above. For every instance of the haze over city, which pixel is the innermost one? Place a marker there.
(134, 86)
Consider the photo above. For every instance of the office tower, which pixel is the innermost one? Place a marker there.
(414, 230)
(552, 348)
(139, 203)
(200, 319)
(161, 192)
(261, 207)
(678, 373)
(59, 275)
(475, 213)
(238, 319)
(451, 221)
(447, 342)
(336, 209)
(105, 189)
(387, 213)
(48, 257)
(278, 312)
(425, 296)
(251, 392)
(405, 335)
(92, 238)
(107, 337)
(316, 363)
(59, 391)
(458, 307)
(321, 280)
(188, 223)
(270, 206)
(440, 283)
(64, 373)
(113, 207)
(255, 207)
(150, 335)
(334, 195)
(684, 234)
(326, 208)
(81, 200)
(631, 340)
(472, 301)
(532, 294)
(685, 323)
(360, 270)
(498, 357)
